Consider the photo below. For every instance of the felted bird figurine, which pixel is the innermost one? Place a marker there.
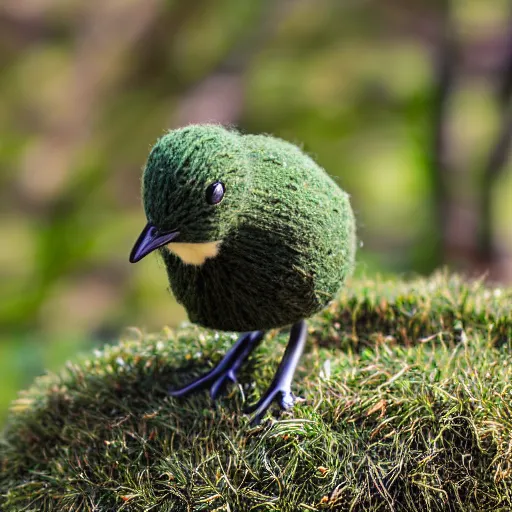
(254, 236)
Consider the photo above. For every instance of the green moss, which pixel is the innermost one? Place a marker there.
(407, 407)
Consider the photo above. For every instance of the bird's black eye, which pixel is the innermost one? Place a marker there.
(215, 192)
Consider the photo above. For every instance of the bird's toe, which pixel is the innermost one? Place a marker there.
(284, 398)
(220, 384)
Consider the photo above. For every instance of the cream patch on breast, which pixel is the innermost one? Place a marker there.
(195, 254)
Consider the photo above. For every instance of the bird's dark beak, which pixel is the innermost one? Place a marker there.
(149, 240)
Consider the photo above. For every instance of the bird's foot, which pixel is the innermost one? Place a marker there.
(280, 388)
(282, 395)
(226, 371)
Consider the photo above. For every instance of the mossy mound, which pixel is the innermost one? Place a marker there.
(408, 393)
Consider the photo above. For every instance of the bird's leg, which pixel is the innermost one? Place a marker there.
(280, 388)
(227, 370)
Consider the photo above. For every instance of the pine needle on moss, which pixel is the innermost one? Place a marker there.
(407, 406)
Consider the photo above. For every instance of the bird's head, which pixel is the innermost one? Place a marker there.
(193, 188)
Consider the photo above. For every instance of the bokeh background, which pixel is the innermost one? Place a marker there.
(406, 102)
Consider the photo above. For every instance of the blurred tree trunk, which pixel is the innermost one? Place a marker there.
(467, 235)
(490, 254)
(444, 72)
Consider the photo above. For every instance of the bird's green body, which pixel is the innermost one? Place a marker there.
(285, 231)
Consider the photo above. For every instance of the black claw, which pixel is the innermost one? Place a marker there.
(216, 388)
(287, 400)
(280, 388)
(262, 405)
(226, 371)
(284, 398)
(221, 383)
(202, 382)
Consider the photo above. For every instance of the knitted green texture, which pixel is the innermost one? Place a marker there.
(287, 230)
(180, 167)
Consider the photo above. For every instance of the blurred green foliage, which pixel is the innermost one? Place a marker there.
(87, 87)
